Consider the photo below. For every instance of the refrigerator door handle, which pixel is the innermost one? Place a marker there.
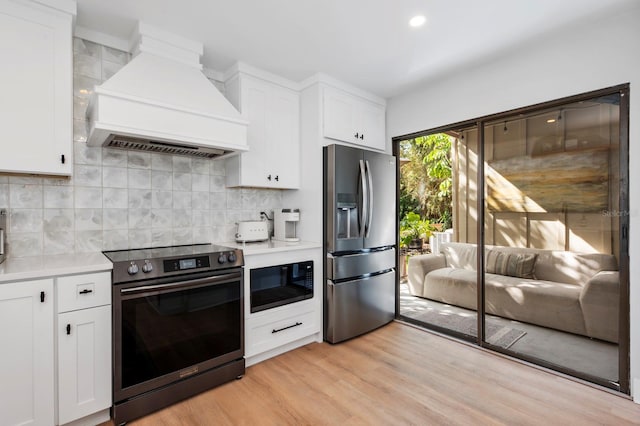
(365, 198)
(370, 206)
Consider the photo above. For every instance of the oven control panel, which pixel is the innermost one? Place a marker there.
(183, 264)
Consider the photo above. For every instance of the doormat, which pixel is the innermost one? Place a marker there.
(497, 335)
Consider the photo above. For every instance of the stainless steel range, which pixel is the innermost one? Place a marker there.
(177, 324)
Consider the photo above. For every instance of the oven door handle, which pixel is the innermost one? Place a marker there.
(182, 285)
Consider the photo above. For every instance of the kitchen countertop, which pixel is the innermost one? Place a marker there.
(271, 246)
(28, 268)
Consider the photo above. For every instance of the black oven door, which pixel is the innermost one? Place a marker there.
(167, 330)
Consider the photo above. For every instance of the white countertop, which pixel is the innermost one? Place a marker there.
(271, 246)
(27, 268)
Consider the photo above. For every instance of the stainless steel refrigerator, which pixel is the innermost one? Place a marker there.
(360, 238)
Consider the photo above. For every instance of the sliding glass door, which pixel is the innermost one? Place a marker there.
(535, 263)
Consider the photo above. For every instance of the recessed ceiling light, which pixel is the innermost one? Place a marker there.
(417, 21)
(551, 120)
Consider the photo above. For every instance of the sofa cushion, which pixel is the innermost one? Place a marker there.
(460, 255)
(512, 264)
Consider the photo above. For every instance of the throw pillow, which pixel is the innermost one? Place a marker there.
(518, 265)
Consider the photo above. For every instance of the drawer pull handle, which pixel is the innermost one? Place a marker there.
(286, 328)
(68, 329)
(42, 297)
(86, 291)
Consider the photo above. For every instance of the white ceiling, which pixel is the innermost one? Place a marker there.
(366, 43)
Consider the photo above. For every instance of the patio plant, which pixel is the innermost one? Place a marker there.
(414, 230)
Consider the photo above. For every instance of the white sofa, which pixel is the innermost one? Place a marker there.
(574, 292)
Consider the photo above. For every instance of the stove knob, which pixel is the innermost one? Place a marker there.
(147, 267)
(222, 258)
(133, 269)
(232, 257)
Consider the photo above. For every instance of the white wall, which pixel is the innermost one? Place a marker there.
(590, 56)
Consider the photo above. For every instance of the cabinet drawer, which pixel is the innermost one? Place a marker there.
(83, 291)
(266, 333)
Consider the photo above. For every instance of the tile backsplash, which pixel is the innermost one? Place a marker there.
(120, 199)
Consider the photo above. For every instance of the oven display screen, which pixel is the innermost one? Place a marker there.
(187, 263)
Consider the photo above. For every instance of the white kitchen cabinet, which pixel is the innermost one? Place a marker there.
(36, 106)
(277, 330)
(27, 361)
(84, 345)
(273, 111)
(353, 119)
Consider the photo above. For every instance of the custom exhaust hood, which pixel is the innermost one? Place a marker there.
(162, 102)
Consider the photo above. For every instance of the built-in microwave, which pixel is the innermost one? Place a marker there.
(279, 285)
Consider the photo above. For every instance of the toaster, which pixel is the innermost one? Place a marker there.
(252, 231)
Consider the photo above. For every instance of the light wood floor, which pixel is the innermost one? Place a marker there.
(398, 375)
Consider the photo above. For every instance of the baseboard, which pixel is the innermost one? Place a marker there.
(92, 419)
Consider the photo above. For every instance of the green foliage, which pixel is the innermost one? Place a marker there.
(413, 227)
(426, 178)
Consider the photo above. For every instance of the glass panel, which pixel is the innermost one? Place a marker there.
(438, 231)
(551, 236)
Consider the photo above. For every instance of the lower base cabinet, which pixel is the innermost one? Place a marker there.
(27, 353)
(84, 363)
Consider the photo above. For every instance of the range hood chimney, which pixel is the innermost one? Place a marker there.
(162, 102)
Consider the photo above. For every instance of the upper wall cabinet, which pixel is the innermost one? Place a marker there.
(272, 107)
(353, 119)
(36, 106)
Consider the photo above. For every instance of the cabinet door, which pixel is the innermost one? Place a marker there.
(84, 362)
(372, 125)
(26, 367)
(36, 85)
(255, 108)
(283, 157)
(339, 116)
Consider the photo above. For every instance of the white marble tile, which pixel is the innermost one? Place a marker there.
(57, 181)
(80, 108)
(182, 236)
(88, 219)
(218, 234)
(139, 160)
(218, 217)
(115, 219)
(87, 198)
(83, 86)
(182, 200)
(86, 47)
(161, 179)
(79, 131)
(234, 199)
(234, 216)
(217, 167)
(25, 180)
(58, 220)
(161, 218)
(139, 179)
(110, 54)
(139, 198)
(139, 218)
(161, 199)
(201, 235)
(84, 175)
(117, 239)
(4, 195)
(88, 241)
(161, 237)
(114, 177)
(162, 162)
(88, 66)
(181, 218)
(139, 238)
(200, 218)
(58, 242)
(249, 199)
(217, 184)
(83, 154)
(116, 198)
(25, 196)
(114, 157)
(200, 183)
(22, 244)
(200, 200)
(201, 166)
(182, 181)
(218, 201)
(181, 164)
(25, 220)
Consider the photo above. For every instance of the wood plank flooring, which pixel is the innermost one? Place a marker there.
(397, 375)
